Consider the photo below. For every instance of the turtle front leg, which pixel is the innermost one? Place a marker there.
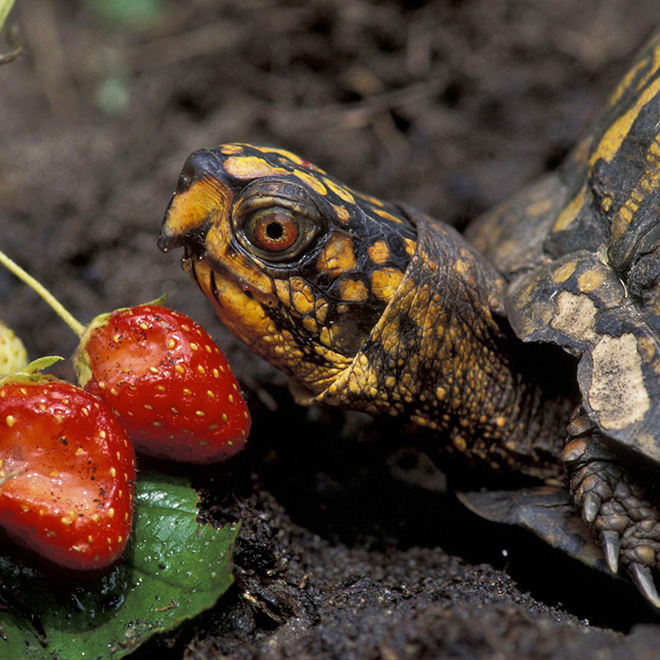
(624, 516)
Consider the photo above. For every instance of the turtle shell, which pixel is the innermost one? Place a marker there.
(581, 252)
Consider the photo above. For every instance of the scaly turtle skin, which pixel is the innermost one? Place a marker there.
(375, 306)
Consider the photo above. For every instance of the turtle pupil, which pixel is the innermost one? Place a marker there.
(275, 230)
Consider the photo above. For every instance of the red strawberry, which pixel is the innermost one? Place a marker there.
(67, 471)
(167, 380)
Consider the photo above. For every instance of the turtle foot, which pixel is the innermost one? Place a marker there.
(621, 513)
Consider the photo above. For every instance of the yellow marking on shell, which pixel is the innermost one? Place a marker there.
(379, 253)
(617, 376)
(646, 348)
(302, 296)
(614, 136)
(564, 272)
(312, 181)
(385, 281)
(570, 211)
(590, 280)
(647, 184)
(353, 290)
(440, 393)
(337, 256)
(251, 167)
(387, 215)
(625, 83)
(575, 316)
(191, 208)
(341, 192)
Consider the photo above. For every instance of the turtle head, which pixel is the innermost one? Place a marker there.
(297, 265)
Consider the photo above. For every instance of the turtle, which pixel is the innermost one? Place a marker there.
(528, 345)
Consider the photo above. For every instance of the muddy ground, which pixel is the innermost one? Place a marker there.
(345, 551)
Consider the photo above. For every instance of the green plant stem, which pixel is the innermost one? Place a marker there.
(39, 288)
(5, 8)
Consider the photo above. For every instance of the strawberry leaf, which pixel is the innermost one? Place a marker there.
(174, 568)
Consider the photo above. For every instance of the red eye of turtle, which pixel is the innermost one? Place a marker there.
(273, 230)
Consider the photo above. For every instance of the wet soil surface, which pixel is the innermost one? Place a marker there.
(351, 545)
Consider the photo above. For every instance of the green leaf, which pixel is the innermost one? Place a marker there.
(173, 569)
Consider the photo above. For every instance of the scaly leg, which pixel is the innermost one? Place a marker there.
(623, 514)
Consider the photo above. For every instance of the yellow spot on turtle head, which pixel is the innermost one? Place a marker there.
(337, 256)
(190, 209)
(288, 155)
(341, 192)
(232, 148)
(302, 298)
(372, 200)
(251, 167)
(353, 290)
(313, 182)
(283, 291)
(410, 246)
(310, 324)
(387, 215)
(342, 215)
(379, 253)
(385, 281)
(321, 310)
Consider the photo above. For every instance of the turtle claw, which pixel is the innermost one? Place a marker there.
(643, 578)
(591, 504)
(622, 514)
(611, 544)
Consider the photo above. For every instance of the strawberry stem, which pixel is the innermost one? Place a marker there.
(40, 289)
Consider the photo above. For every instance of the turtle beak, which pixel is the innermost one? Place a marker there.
(201, 195)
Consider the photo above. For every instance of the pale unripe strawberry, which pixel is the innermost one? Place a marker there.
(13, 356)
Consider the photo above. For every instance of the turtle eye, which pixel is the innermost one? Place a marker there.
(273, 230)
(276, 220)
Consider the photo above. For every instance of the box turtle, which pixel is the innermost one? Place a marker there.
(530, 346)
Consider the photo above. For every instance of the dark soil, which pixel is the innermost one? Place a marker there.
(350, 545)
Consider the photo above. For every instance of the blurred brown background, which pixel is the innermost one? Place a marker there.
(449, 105)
